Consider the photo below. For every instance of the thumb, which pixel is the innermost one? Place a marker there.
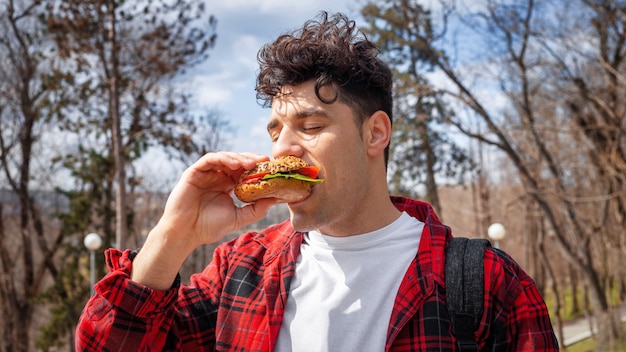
(256, 211)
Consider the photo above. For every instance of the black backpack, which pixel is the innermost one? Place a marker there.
(464, 271)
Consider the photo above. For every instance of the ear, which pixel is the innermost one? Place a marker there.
(377, 133)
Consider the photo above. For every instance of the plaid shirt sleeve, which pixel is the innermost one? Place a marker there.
(122, 314)
(519, 317)
(234, 304)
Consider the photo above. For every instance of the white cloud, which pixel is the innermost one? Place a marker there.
(244, 50)
(259, 129)
(255, 137)
(281, 7)
(210, 90)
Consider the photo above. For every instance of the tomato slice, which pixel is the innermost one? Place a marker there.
(309, 171)
(254, 178)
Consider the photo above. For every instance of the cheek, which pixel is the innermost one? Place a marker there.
(343, 158)
(350, 178)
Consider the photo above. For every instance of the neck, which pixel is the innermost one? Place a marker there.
(373, 211)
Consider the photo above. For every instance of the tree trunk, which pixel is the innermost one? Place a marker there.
(483, 193)
(608, 329)
(573, 281)
(558, 309)
(15, 307)
(431, 184)
(121, 225)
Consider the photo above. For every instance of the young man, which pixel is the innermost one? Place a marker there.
(352, 270)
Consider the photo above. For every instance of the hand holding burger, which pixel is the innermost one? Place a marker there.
(288, 179)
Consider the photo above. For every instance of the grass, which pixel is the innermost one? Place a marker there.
(587, 345)
(567, 299)
(590, 345)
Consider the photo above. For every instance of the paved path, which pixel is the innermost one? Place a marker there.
(578, 330)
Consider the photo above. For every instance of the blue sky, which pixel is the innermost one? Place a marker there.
(226, 81)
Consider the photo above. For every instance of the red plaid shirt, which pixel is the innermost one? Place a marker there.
(237, 302)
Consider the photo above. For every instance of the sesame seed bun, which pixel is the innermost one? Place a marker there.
(285, 190)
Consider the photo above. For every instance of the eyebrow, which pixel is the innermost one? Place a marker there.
(302, 114)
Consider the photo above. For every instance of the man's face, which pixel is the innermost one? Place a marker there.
(324, 135)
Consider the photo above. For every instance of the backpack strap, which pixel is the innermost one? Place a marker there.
(464, 271)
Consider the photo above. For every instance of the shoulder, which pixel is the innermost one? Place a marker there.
(505, 283)
(503, 270)
(509, 287)
(517, 304)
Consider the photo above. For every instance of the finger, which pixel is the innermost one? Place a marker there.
(228, 160)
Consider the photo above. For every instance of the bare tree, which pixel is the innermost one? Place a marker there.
(592, 91)
(122, 51)
(26, 250)
(421, 153)
(119, 59)
(146, 42)
(548, 90)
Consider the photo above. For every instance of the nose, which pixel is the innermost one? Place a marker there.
(287, 143)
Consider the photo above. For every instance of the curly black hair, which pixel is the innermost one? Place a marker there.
(334, 52)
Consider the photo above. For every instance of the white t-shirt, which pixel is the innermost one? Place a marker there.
(344, 288)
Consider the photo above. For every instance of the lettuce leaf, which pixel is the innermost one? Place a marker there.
(296, 176)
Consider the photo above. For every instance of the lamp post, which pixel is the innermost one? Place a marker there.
(92, 242)
(496, 232)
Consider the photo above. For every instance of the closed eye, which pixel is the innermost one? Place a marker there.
(312, 128)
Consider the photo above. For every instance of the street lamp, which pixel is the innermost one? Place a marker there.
(92, 242)
(496, 232)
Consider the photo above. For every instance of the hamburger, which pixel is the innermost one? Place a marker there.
(288, 179)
